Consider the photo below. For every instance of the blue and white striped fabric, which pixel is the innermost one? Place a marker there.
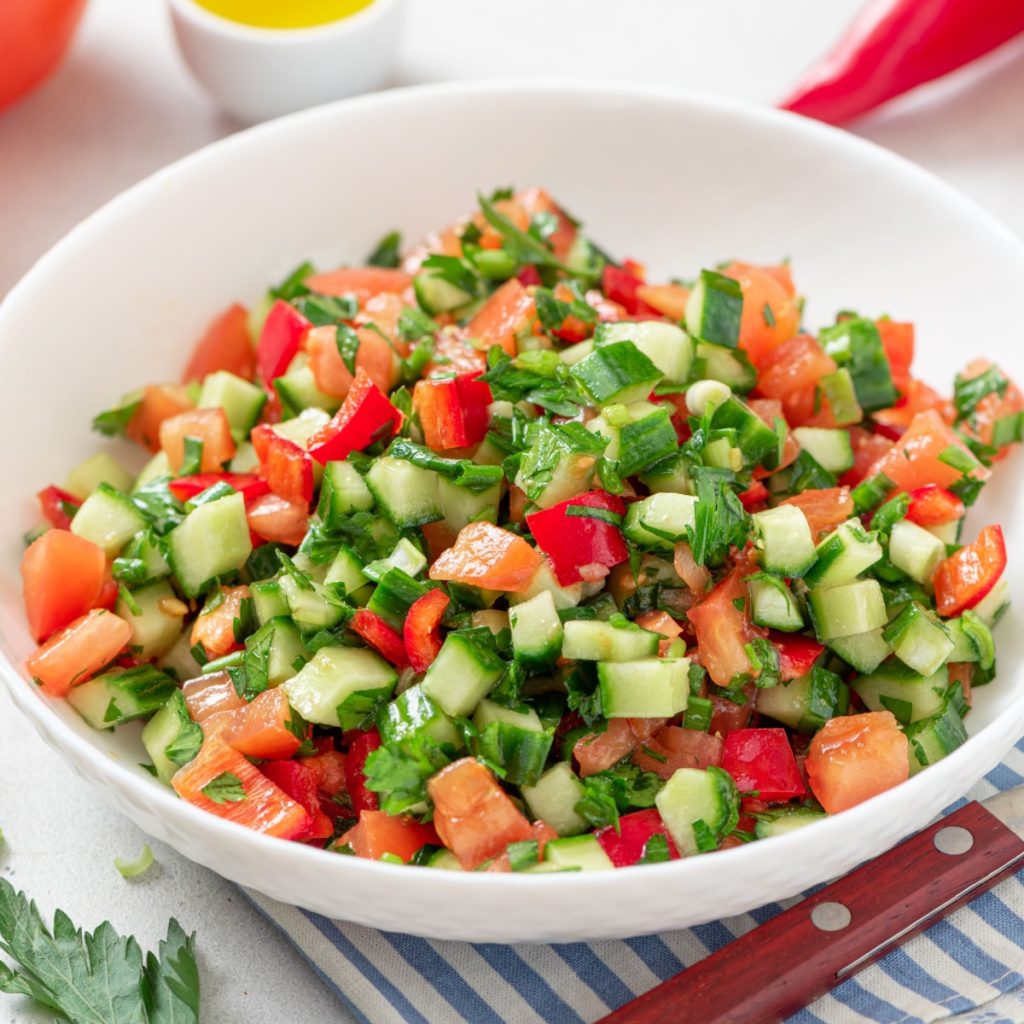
(968, 968)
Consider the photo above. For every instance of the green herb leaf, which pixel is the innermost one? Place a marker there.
(113, 422)
(523, 855)
(293, 286)
(323, 310)
(523, 246)
(459, 273)
(720, 521)
(387, 252)
(226, 788)
(655, 850)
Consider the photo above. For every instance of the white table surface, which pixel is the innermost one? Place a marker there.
(123, 105)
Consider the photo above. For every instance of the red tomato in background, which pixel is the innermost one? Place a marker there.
(33, 37)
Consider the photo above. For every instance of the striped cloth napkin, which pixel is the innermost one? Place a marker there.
(968, 968)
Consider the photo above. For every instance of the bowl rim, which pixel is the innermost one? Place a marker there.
(999, 735)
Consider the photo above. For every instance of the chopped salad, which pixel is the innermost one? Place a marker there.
(496, 554)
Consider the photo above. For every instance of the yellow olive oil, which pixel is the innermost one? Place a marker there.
(284, 13)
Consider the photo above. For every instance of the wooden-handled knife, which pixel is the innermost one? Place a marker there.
(786, 963)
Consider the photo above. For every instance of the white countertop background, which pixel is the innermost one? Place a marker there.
(123, 105)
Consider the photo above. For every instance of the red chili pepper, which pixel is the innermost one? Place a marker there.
(300, 783)
(762, 761)
(626, 846)
(933, 505)
(58, 506)
(573, 541)
(754, 495)
(797, 654)
(894, 46)
(362, 746)
(380, 636)
(249, 485)
(288, 469)
(619, 285)
(965, 578)
(422, 631)
(452, 411)
(365, 416)
(282, 333)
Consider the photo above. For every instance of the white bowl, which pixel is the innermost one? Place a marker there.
(678, 181)
(259, 73)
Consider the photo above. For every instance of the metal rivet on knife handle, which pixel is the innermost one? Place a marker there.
(953, 840)
(830, 917)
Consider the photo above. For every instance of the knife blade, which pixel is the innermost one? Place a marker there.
(783, 965)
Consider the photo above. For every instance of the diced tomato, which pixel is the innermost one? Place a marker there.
(365, 416)
(272, 518)
(868, 448)
(723, 630)
(597, 751)
(932, 505)
(502, 317)
(797, 654)
(540, 832)
(621, 286)
(452, 411)
(362, 282)
(359, 750)
(754, 495)
(209, 426)
(961, 672)
(378, 834)
(626, 845)
(475, 818)
(485, 555)
(263, 728)
(226, 345)
(761, 761)
(728, 715)
(914, 460)
(537, 200)
(422, 629)
(249, 485)
(572, 541)
(991, 408)
(659, 622)
(790, 372)
(263, 807)
(439, 537)
(384, 311)
(770, 410)
(966, 577)
(825, 509)
(667, 299)
(898, 342)
(288, 469)
(159, 403)
(283, 332)
(513, 211)
(374, 356)
(215, 628)
(383, 638)
(210, 695)
(771, 315)
(917, 398)
(79, 651)
(62, 578)
(300, 783)
(454, 353)
(674, 747)
(855, 757)
(58, 506)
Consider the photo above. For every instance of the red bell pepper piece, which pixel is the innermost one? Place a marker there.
(422, 631)
(797, 654)
(761, 761)
(288, 469)
(362, 746)
(572, 541)
(383, 638)
(365, 416)
(452, 411)
(282, 333)
(932, 505)
(894, 46)
(965, 578)
(754, 495)
(300, 783)
(528, 275)
(58, 506)
(626, 846)
(249, 485)
(619, 285)
(474, 396)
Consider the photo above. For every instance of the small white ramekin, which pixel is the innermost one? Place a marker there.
(258, 73)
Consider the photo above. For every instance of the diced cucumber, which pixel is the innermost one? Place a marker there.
(342, 492)
(595, 640)
(660, 520)
(783, 537)
(155, 627)
(212, 541)
(778, 823)
(915, 551)
(298, 391)
(728, 365)
(907, 694)
(411, 715)
(647, 688)
(285, 652)
(991, 607)
(157, 467)
(757, 441)
(721, 453)
(948, 533)
(394, 595)
(171, 738)
(341, 687)
(583, 853)
(536, 631)
(616, 373)
(574, 353)
(918, 640)
(436, 295)
(933, 738)
(316, 571)
(773, 604)
(108, 518)
(670, 476)
(246, 460)
(714, 309)
(310, 606)
(553, 799)
(856, 344)
(241, 400)
(544, 581)
(444, 860)
(515, 740)
(843, 555)
(405, 556)
(666, 345)
(144, 548)
(463, 673)
(347, 569)
(862, 651)
(121, 695)
(842, 397)
(180, 660)
(299, 429)
(492, 619)
(806, 703)
(267, 600)
(972, 640)
(559, 463)
(847, 610)
(406, 494)
(695, 795)
(101, 468)
(462, 506)
(829, 448)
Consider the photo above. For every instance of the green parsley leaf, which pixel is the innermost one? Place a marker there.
(387, 252)
(523, 246)
(459, 273)
(113, 422)
(293, 286)
(226, 788)
(323, 310)
(399, 774)
(720, 521)
(348, 346)
(655, 850)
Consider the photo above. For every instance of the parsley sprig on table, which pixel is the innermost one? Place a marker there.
(97, 978)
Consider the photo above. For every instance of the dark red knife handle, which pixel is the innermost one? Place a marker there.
(786, 963)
